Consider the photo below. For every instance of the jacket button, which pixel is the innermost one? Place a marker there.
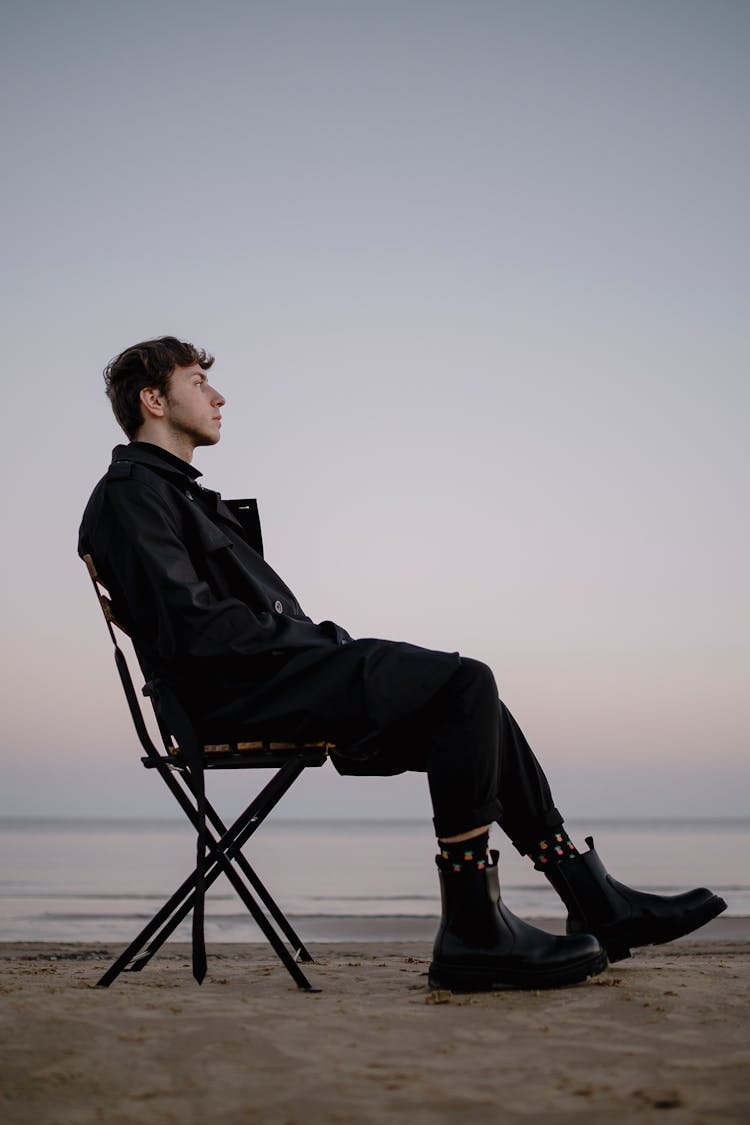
(278, 606)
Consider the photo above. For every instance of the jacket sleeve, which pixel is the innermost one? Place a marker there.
(170, 606)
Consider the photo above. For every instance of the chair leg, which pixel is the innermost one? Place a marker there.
(264, 804)
(162, 915)
(262, 892)
(221, 856)
(165, 921)
(179, 907)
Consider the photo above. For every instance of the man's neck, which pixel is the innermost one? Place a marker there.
(155, 456)
(179, 445)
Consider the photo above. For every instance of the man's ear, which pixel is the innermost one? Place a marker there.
(152, 402)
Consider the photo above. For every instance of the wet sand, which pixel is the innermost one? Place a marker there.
(662, 1037)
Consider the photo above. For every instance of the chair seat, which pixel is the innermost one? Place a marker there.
(262, 747)
(247, 755)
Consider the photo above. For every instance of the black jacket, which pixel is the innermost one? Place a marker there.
(186, 570)
(188, 581)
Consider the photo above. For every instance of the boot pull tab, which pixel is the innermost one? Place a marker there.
(590, 842)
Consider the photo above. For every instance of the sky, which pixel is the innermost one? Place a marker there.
(475, 275)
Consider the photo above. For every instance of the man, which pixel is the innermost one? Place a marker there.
(209, 616)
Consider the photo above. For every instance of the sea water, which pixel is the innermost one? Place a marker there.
(100, 881)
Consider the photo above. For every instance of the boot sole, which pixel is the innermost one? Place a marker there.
(619, 947)
(471, 978)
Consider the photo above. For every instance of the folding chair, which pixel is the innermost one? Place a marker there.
(219, 848)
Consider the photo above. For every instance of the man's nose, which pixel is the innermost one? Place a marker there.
(217, 398)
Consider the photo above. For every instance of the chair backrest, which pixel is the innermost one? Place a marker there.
(175, 727)
(123, 669)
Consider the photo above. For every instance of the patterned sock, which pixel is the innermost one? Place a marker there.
(553, 848)
(467, 855)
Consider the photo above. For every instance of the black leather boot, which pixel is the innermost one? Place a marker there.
(620, 916)
(481, 946)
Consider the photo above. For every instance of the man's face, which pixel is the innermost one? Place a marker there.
(192, 408)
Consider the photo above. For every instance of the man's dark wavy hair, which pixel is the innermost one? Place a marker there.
(149, 364)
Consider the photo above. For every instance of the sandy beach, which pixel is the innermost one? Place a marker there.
(661, 1037)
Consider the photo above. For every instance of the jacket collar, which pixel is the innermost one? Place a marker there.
(144, 453)
(181, 473)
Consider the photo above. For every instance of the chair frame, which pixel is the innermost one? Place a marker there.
(181, 766)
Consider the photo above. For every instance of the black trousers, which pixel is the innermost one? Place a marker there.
(391, 707)
(479, 766)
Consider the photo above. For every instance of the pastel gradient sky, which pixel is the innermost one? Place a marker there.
(476, 277)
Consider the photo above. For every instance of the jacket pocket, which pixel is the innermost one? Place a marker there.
(209, 536)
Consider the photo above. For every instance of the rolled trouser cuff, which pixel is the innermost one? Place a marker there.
(457, 822)
(525, 838)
